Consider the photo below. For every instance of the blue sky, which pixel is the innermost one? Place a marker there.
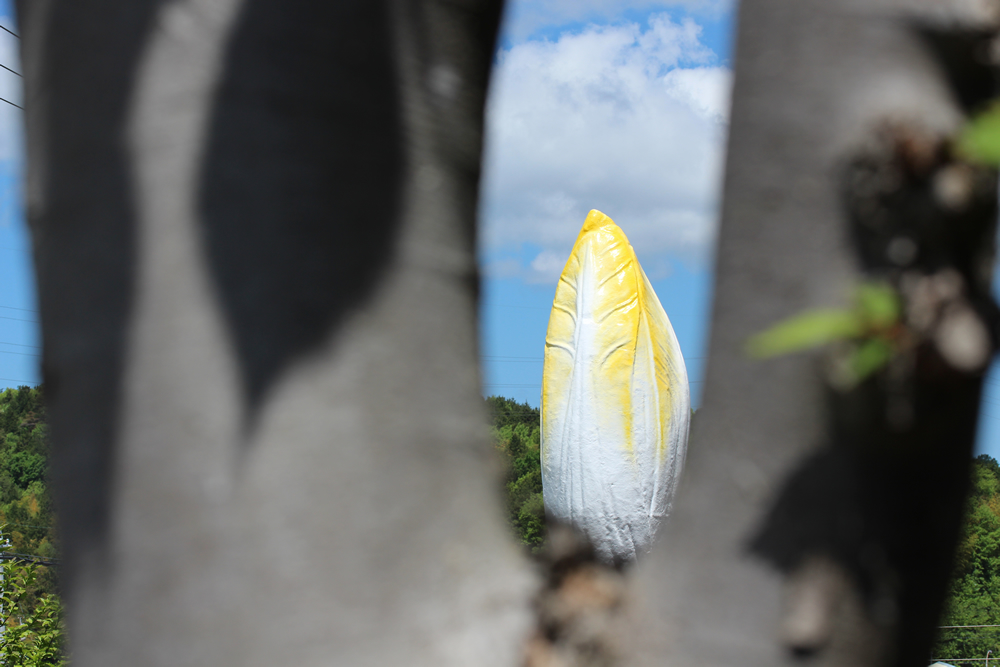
(534, 203)
(619, 106)
(19, 333)
(616, 105)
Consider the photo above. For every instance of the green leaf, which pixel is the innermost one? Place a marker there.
(878, 304)
(869, 357)
(805, 331)
(980, 139)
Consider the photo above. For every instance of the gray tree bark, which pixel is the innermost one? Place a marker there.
(818, 84)
(254, 232)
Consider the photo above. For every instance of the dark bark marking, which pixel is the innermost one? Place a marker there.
(301, 180)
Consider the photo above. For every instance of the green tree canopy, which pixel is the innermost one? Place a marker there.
(516, 434)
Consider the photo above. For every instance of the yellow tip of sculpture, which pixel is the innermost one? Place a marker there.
(596, 220)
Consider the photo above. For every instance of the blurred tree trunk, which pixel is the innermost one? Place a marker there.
(254, 228)
(812, 520)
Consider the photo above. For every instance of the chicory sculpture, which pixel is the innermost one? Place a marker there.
(615, 398)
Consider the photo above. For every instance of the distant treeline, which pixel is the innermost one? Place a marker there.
(27, 522)
(974, 596)
(26, 519)
(516, 434)
(30, 608)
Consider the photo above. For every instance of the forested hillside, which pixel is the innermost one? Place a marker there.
(26, 513)
(975, 589)
(25, 505)
(515, 431)
(30, 609)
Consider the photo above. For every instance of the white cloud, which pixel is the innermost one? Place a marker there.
(626, 119)
(704, 89)
(548, 265)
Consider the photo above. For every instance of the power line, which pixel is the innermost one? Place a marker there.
(9, 31)
(23, 310)
(30, 558)
(29, 525)
(18, 319)
(513, 361)
(33, 347)
(9, 102)
(20, 354)
(11, 71)
(23, 382)
(952, 627)
(498, 415)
